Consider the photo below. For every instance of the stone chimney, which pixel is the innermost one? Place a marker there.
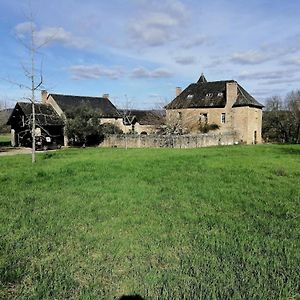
(231, 93)
(105, 96)
(44, 96)
(178, 91)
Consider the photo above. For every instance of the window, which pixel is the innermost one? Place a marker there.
(190, 96)
(223, 118)
(220, 94)
(203, 118)
(209, 94)
(255, 137)
(179, 115)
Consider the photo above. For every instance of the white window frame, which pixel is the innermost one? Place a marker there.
(223, 118)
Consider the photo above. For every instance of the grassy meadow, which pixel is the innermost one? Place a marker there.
(4, 140)
(210, 223)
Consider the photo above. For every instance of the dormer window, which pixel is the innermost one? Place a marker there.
(190, 96)
(209, 95)
(220, 94)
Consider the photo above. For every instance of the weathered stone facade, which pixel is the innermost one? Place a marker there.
(225, 104)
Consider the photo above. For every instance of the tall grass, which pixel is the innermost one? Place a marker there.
(213, 223)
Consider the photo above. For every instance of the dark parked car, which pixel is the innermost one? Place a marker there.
(47, 143)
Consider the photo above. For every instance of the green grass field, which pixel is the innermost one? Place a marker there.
(211, 223)
(4, 140)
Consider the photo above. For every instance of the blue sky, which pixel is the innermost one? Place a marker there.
(138, 51)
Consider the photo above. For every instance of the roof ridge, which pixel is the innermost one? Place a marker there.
(229, 80)
(79, 96)
(239, 88)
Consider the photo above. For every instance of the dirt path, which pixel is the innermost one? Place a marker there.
(14, 151)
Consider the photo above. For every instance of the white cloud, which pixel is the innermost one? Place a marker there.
(149, 33)
(295, 60)
(94, 72)
(284, 81)
(185, 60)
(49, 35)
(144, 73)
(249, 58)
(25, 27)
(196, 41)
(265, 75)
(159, 24)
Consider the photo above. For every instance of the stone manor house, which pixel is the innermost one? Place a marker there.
(224, 104)
(220, 106)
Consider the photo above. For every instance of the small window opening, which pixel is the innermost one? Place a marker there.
(223, 118)
(203, 117)
(190, 96)
(255, 137)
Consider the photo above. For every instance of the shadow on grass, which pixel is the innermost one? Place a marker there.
(290, 150)
(131, 297)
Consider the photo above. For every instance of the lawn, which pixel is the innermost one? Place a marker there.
(4, 139)
(210, 223)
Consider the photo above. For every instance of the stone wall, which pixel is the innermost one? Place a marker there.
(169, 141)
(245, 121)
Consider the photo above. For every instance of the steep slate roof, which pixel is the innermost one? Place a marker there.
(148, 117)
(99, 104)
(44, 114)
(143, 117)
(245, 99)
(208, 94)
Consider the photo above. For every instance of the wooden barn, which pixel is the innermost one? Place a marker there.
(49, 125)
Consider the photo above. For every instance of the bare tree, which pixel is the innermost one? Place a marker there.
(31, 44)
(127, 117)
(293, 106)
(281, 119)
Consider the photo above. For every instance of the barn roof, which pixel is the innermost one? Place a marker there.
(100, 105)
(209, 94)
(44, 114)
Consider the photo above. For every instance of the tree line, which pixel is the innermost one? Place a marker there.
(281, 119)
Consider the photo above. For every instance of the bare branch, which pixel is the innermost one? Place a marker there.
(20, 85)
(41, 82)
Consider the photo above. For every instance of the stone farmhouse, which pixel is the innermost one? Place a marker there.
(224, 104)
(53, 111)
(129, 121)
